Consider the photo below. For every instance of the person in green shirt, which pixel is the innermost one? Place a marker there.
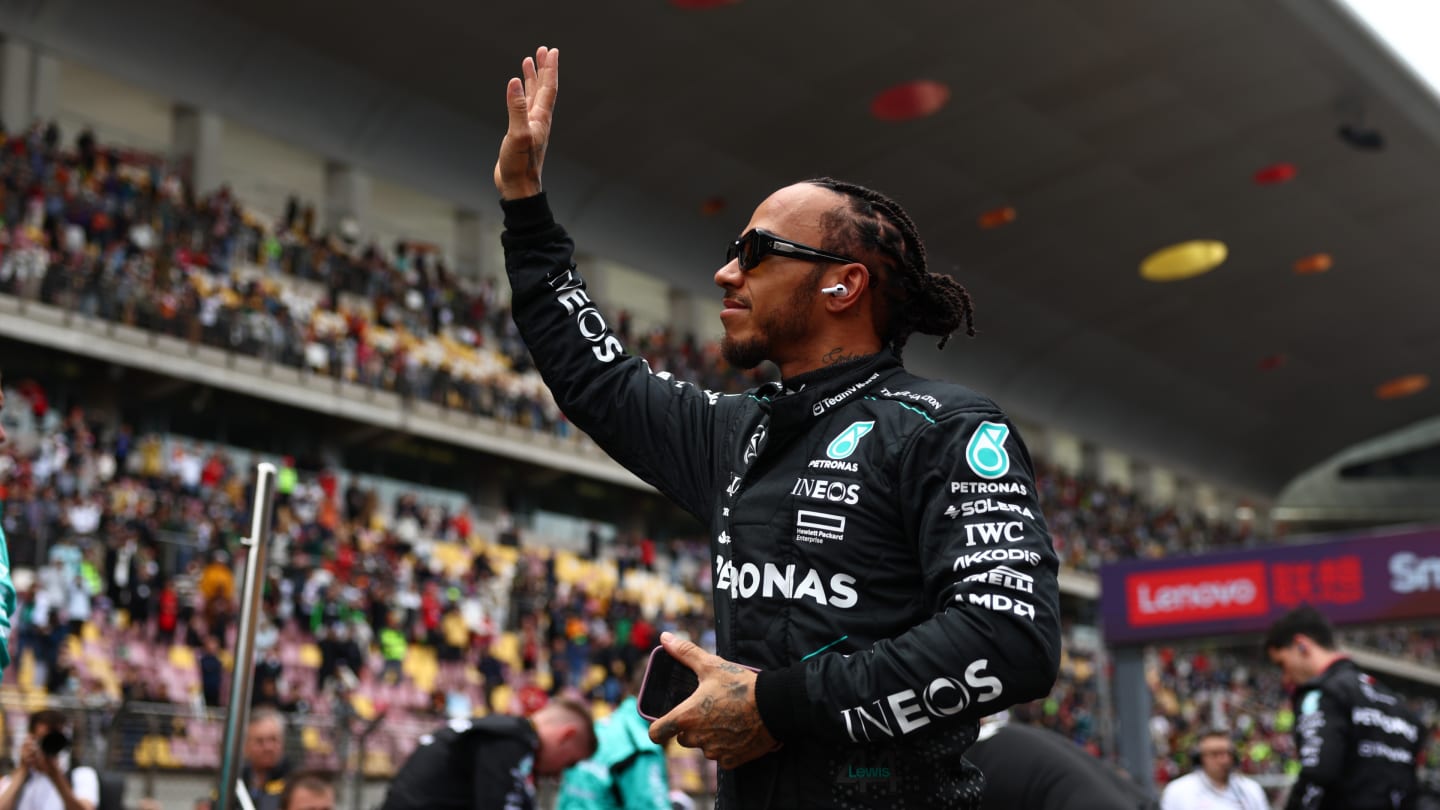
(7, 587)
(393, 646)
(627, 772)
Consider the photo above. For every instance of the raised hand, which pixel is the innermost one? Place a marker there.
(720, 718)
(531, 103)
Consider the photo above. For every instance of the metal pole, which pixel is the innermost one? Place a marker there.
(242, 676)
(357, 782)
(1132, 704)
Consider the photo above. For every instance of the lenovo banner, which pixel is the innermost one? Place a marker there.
(1370, 578)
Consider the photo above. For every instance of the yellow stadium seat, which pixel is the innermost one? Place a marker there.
(182, 657)
(506, 648)
(690, 781)
(593, 678)
(313, 742)
(363, 706)
(378, 764)
(145, 752)
(503, 696)
(310, 656)
(26, 679)
(421, 666)
(164, 757)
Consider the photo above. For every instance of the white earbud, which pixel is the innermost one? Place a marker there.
(838, 289)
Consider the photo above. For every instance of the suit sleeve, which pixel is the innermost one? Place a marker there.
(661, 429)
(992, 638)
(501, 773)
(1321, 728)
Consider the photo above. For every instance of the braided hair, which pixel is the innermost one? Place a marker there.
(911, 298)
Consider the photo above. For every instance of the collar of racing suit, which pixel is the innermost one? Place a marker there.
(1337, 668)
(818, 377)
(812, 394)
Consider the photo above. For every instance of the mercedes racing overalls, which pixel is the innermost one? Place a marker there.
(877, 548)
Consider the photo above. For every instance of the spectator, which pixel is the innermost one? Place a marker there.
(266, 687)
(266, 767)
(44, 779)
(217, 592)
(392, 648)
(308, 790)
(211, 671)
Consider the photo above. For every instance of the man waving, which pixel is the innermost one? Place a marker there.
(879, 554)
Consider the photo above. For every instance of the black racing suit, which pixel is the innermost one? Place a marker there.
(483, 764)
(1037, 769)
(876, 544)
(1357, 742)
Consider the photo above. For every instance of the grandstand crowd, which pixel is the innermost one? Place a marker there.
(113, 234)
(396, 601)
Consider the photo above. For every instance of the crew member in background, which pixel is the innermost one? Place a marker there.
(628, 771)
(308, 790)
(1034, 768)
(491, 763)
(1357, 741)
(7, 587)
(1214, 784)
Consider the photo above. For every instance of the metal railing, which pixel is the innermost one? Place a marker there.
(155, 743)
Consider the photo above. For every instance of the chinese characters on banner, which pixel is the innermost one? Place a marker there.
(1327, 581)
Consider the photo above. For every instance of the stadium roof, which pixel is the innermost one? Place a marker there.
(1112, 127)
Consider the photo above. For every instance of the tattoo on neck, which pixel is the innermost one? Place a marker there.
(837, 355)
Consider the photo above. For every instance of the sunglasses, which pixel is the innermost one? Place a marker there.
(755, 245)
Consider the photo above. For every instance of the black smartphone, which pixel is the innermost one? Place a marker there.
(666, 685)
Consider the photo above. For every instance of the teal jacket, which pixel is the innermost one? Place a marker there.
(7, 601)
(628, 771)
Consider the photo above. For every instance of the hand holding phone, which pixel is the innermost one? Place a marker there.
(703, 701)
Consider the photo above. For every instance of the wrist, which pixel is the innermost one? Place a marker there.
(520, 191)
(780, 697)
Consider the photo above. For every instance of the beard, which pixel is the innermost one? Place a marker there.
(782, 328)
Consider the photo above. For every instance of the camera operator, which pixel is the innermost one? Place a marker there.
(44, 779)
